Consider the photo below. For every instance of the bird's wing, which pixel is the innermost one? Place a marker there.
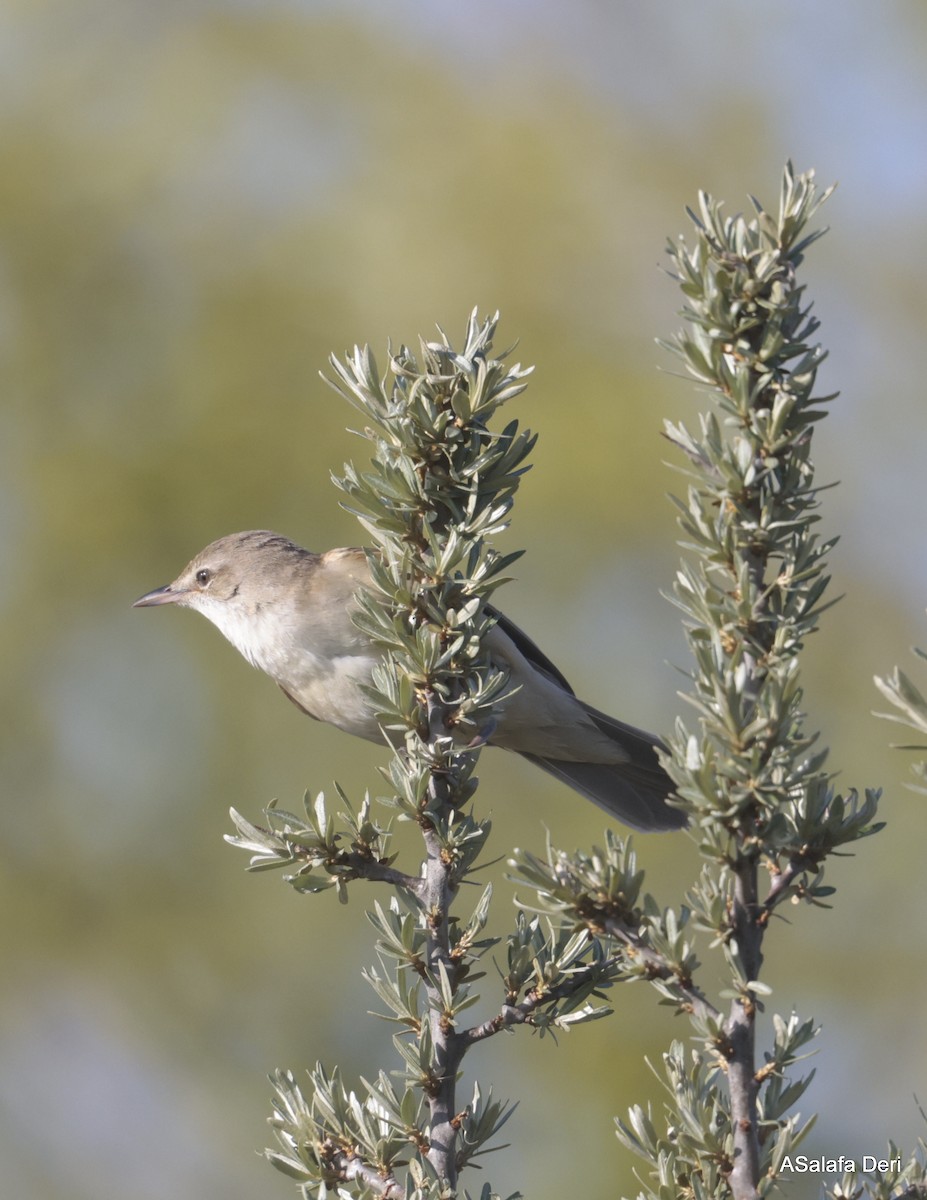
(529, 649)
(292, 699)
(634, 793)
(611, 763)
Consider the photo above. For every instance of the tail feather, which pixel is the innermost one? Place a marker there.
(635, 791)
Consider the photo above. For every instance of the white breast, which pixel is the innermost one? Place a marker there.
(321, 662)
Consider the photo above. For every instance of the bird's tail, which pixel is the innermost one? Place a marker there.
(635, 791)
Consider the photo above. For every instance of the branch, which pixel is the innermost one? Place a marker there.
(313, 845)
(523, 1011)
(741, 1038)
(347, 1168)
(440, 1088)
(691, 999)
(752, 595)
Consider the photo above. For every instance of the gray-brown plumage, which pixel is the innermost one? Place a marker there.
(288, 611)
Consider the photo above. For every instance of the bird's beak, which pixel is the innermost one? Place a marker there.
(161, 595)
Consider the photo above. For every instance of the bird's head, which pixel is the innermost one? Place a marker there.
(236, 583)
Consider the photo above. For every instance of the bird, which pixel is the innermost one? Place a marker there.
(289, 610)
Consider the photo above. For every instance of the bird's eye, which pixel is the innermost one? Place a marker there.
(203, 576)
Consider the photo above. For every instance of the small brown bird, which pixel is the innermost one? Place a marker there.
(288, 611)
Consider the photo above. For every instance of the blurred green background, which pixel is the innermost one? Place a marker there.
(199, 201)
